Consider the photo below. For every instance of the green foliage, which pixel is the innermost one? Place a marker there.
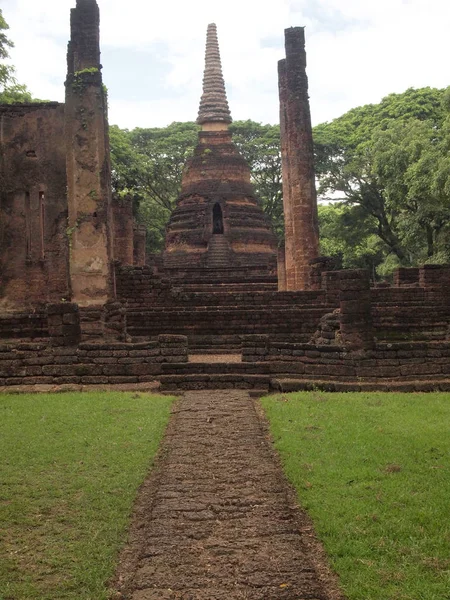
(87, 71)
(349, 235)
(391, 160)
(372, 471)
(71, 465)
(14, 93)
(82, 78)
(147, 165)
(5, 44)
(10, 90)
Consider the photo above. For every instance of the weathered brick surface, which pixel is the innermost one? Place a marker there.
(395, 362)
(87, 162)
(64, 324)
(217, 520)
(95, 363)
(406, 277)
(299, 191)
(33, 209)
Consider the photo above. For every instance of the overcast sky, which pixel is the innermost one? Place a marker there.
(152, 52)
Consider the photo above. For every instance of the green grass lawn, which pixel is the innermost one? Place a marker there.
(373, 471)
(70, 466)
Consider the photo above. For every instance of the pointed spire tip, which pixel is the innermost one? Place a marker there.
(213, 104)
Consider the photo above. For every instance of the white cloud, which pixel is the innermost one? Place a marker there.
(358, 51)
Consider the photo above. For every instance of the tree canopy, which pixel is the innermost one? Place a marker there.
(10, 90)
(391, 161)
(383, 173)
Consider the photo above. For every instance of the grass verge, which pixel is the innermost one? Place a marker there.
(70, 467)
(373, 472)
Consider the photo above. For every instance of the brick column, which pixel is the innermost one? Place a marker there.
(64, 324)
(88, 164)
(122, 210)
(299, 189)
(317, 268)
(115, 321)
(355, 306)
(289, 268)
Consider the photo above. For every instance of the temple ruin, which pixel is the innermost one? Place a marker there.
(218, 230)
(81, 304)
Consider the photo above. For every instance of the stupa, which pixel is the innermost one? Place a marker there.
(218, 228)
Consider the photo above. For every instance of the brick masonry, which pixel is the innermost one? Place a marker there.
(29, 363)
(299, 191)
(347, 332)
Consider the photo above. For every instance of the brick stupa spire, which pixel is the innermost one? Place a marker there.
(218, 232)
(213, 104)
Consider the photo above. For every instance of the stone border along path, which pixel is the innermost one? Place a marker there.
(216, 519)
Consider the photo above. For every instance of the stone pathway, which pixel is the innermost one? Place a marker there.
(216, 520)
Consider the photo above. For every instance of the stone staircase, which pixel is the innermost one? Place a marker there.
(219, 252)
(217, 375)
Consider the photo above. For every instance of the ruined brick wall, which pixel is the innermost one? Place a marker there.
(406, 277)
(400, 362)
(223, 318)
(88, 364)
(434, 276)
(24, 325)
(33, 205)
(392, 314)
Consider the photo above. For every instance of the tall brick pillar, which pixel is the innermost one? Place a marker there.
(289, 265)
(299, 189)
(88, 163)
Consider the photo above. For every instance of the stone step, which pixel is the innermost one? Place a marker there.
(219, 252)
(214, 288)
(214, 381)
(215, 368)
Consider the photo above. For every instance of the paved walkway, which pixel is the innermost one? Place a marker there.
(214, 521)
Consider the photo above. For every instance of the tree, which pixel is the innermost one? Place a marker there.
(10, 90)
(147, 166)
(6, 71)
(349, 236)
(391, 160)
